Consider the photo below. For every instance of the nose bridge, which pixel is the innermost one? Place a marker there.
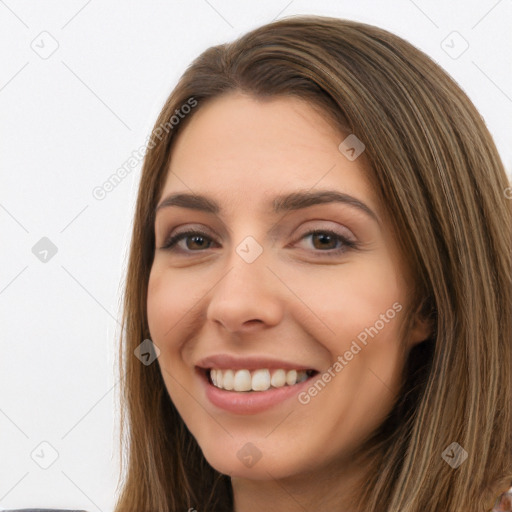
(247, 265)
(245, 292)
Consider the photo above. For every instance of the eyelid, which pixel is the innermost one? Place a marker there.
(328, 226)
(275, 232)
(185, 228)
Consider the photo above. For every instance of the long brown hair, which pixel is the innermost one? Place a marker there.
(436, 169)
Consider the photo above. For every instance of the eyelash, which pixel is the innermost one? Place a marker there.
(347, 244)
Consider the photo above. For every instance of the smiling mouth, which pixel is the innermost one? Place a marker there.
(256, 380)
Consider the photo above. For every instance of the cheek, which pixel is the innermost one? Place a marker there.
(167, 304)
(358, 313)
(168, 309)
(346, 301)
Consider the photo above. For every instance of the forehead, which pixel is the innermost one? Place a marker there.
(237, 144)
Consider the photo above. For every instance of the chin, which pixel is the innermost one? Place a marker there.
(240, 458)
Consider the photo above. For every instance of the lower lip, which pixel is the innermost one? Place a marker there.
(250, 402)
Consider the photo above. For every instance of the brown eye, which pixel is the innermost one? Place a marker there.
(324, 241)
(329, 242)
(195, 241)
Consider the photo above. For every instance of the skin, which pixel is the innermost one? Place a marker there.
(294, 302)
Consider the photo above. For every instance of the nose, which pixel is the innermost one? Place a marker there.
(248, 297)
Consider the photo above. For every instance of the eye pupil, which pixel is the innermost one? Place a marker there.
(195, 239)
(323, 237)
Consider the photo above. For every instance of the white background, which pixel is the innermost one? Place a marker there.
(67, 123)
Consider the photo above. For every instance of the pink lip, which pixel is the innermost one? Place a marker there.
(226, 361)
(249, 402)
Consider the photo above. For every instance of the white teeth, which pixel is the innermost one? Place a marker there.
(260, 380)
(257, 380)
(278, 378)
(242, 380)
(228, 380)
(291, 377)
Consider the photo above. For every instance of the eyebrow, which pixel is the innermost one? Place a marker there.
(282, 203)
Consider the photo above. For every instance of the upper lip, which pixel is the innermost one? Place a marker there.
(227, 361)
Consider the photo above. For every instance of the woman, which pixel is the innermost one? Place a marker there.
(321, 262)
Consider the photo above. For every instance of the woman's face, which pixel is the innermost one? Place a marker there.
(256, 289)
